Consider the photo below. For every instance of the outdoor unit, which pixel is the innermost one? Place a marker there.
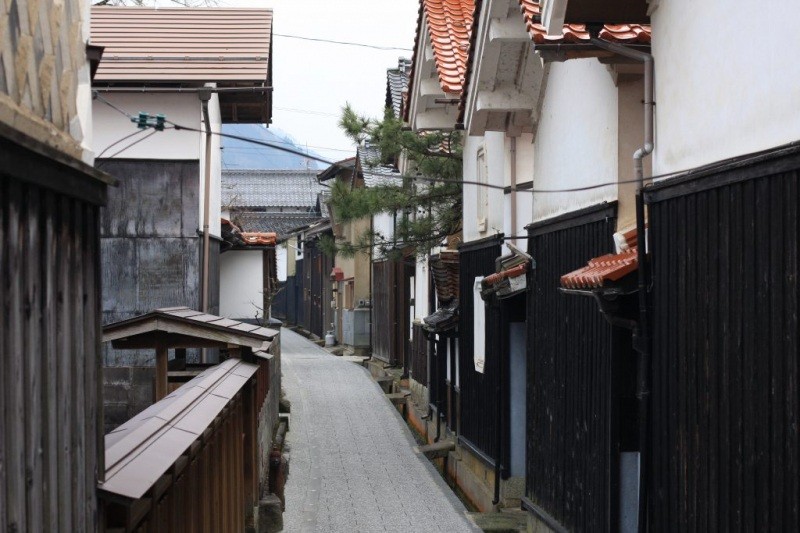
(355, 327)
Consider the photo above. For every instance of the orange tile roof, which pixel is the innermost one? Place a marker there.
(576, 33)
(260, 239)
(450, 27)
(609, 267)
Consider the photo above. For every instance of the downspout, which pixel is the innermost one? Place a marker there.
(205, 96)
(642, 333)
(371, 288)
(495, 310)
(513, 176)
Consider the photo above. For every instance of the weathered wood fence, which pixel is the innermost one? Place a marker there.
(50, 368)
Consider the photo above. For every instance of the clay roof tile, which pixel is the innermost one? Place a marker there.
(450, 26)
(576, 33)
(609, 267)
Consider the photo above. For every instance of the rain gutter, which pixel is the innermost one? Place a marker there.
(641, 340)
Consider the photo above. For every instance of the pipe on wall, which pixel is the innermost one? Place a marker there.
(204, 99)
(513, 176)
(642, 332)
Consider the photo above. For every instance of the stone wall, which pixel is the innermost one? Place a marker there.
(268, 417)
(43, 59)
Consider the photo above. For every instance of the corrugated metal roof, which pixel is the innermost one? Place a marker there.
(270, 188)
(182, 45)
(142, 449)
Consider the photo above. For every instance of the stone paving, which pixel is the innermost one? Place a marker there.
(353, 467)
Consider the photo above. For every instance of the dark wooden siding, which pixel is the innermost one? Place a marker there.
(569, 373)
(284, 305)
(383, 319)
(390, 301)
(317, 294)
(50, 373)
(725, 406)
(438, 384)
(419, 356)
(478, 392)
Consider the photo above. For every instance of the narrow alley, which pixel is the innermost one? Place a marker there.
(353, 467)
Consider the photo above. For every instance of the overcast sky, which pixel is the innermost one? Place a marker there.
(318, 78)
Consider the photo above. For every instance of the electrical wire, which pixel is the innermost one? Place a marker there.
(112, 145)
(115, 154)
(97, 95)
(706, 168)
(348, 43)
(306, 111)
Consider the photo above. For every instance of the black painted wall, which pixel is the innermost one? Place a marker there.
(479, 394)
(569, 455)
(726, 364)
(151, 249)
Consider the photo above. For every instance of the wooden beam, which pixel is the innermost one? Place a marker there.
(161, 372)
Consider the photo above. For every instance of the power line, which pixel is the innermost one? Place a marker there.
(307, 111)
(112, 145)
(363, 45)
(706, 168)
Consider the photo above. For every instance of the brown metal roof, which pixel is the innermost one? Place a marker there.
(142, 449)
(182, 45)
(185, 328)
(190, 46)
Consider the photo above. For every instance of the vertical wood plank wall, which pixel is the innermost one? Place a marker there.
(419, 356)
(569, 370)
(725, 400)
(478, 394)
(50, 364)
(383, 312)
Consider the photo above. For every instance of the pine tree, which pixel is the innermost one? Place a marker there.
(427, 198)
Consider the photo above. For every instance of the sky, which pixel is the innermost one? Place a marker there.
(313, 80)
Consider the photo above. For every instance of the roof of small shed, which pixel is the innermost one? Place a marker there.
(184, 327)
(142, 449)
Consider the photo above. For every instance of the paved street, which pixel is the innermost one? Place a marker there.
(353, 467)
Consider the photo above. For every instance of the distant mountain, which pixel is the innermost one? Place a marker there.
(237, 154)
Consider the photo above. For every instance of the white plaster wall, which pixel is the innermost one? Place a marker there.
(576, 139)
(81, 126)
(524, 161)
(109, 125)
(727, 79)
(493, 143)
(421, 288)
(241, 283)
(215, 208)
(382, 223)
(281, 256)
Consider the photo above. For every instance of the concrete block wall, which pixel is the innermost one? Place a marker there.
(127, 391)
